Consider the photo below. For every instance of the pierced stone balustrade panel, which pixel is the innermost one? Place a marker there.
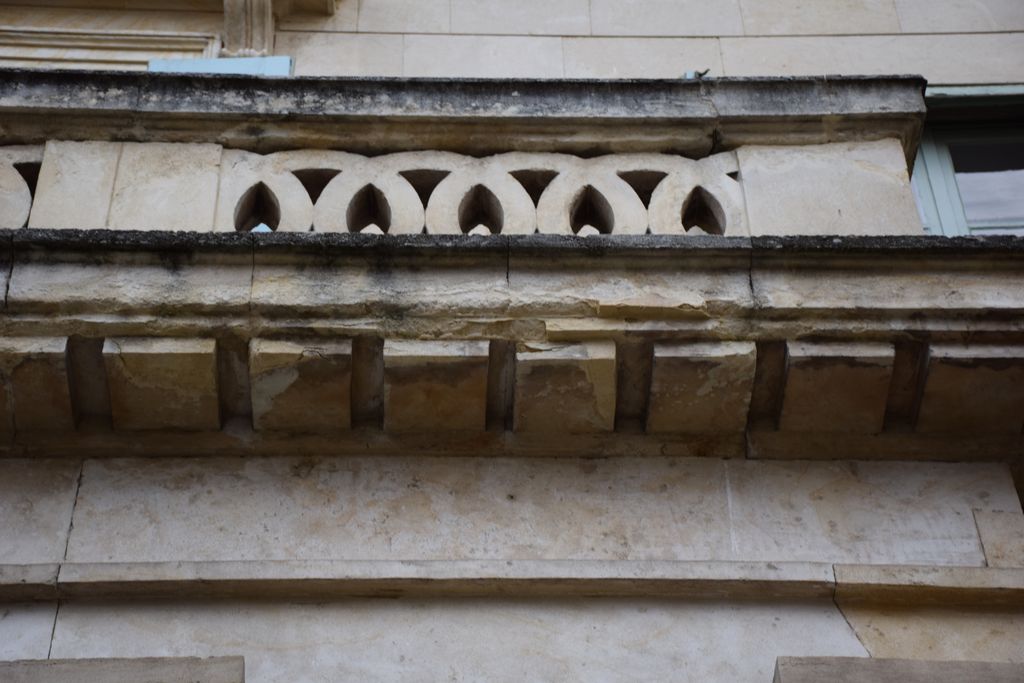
(437, 193)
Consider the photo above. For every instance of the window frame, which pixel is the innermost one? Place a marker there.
(934, 178)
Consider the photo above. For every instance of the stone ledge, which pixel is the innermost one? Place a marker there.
(134, 670)
(869, 670)
(521, 578)
(940, 586)
(473, 116)
(311, 579)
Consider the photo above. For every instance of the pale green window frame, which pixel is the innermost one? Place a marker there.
(934, 180)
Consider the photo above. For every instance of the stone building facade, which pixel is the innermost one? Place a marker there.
(616, 349)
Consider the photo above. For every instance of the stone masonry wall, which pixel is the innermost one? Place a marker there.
(948, 41)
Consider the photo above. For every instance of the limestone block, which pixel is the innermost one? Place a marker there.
(639, 57)
(794, 17)
(565, 388)
(36, 500)
(449, 56)
(612, 641)
(667, 17)
(435, 386)
(973, 389)
(939, 633)
(405, 16)
(128, 670)
(165, 186)
(526, 17)
(162, 383)
(75, 186)
(15, 195)
(401, 507)
(836, 387)
(25, 630)
(848, 188)
(865, 512)
(300, 386)
(943, 59)
(36, 395)
(937, 16)
(317, 54)
(701, 387)
(1002, 537)
(868, 670)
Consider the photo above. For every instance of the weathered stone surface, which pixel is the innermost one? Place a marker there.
(165, 186)
(25, 630)
(944, 59)
(565, 388)
(361, 286)
(701, 387)
(887, 585)
(494, 508)
(163, 669)
(76, 182)
(162, 383)
(435, 386)
(882, 513)
(606, 639)
(662, 17)
(836, 387)
(126, 285)
(34, 376)
(300, 386)
(866, 670)
(28, 581)
(36, 499)
(792, 17)
(678, 116)
(973, 388)
(451, 56)
(807, 190)
(15, 195)
(1002, 537)
(939, 633)
(334, 579)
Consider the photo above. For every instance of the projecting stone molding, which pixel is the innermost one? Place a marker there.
(202, 187)
(546, 390)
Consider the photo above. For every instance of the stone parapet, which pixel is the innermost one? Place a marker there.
(757, 190)
(694, 118)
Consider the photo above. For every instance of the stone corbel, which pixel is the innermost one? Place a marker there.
(249, 24)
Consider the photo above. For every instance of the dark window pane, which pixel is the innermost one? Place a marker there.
(990, 177)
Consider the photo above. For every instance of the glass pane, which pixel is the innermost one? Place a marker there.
(990, 176)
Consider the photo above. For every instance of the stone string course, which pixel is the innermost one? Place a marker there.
(204, 187)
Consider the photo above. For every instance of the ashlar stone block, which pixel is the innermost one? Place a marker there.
(973, 389)
(836, 387)
(435, 385)
(162, 383)
(565, 388)
(76, 181)
(35, 393)
(15, 195)
(300, 386)
(165, 186)
(847, 188)
(701, 387)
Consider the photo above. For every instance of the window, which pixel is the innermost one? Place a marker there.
(970, 181)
